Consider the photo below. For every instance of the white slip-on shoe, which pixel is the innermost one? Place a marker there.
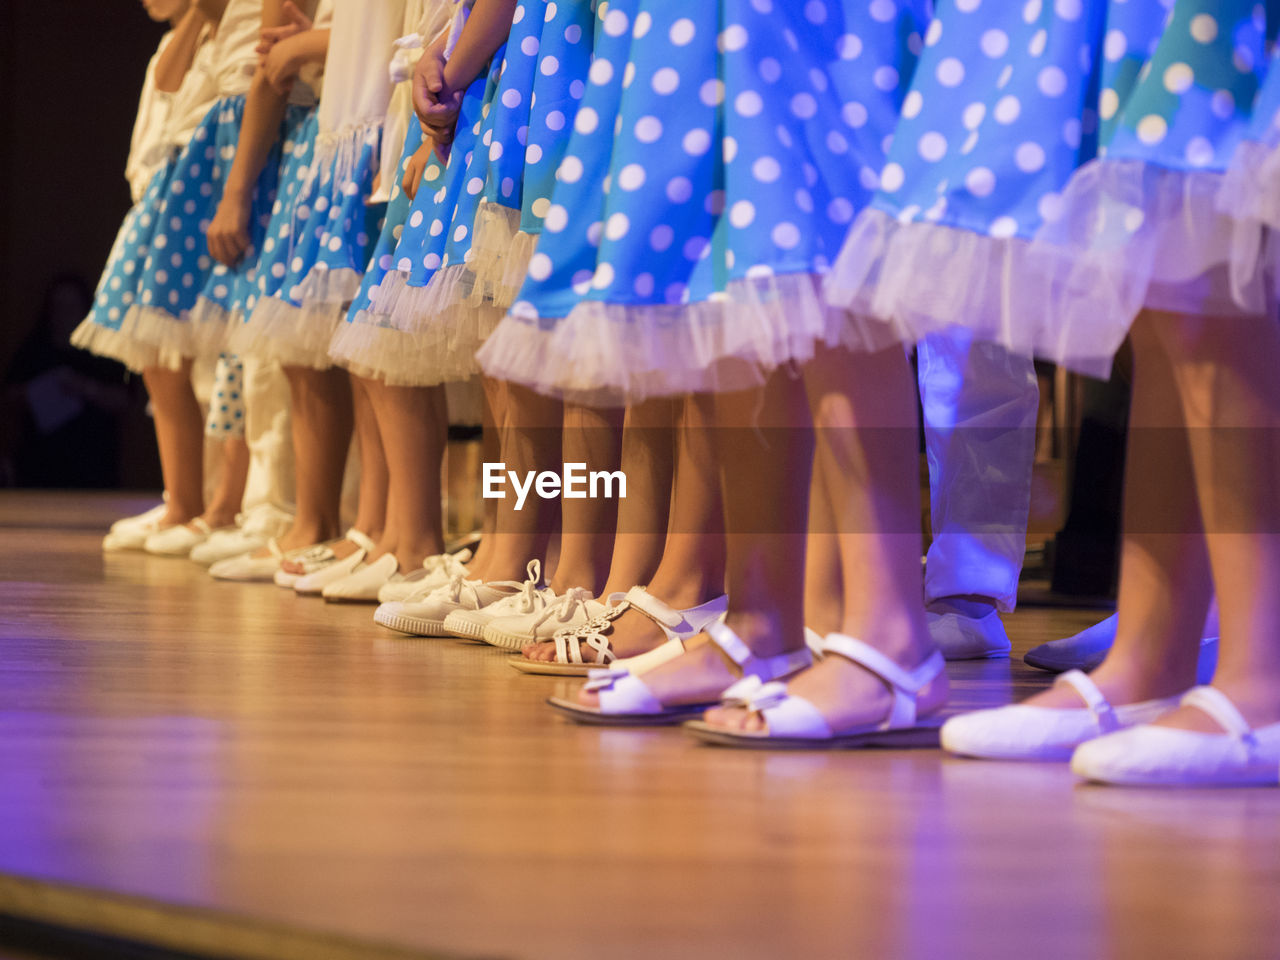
(146, 518)
(1152, 756)
(968, 638)
(1022, 732)
(363, 583)
(247, 568)
(1087, 649)
(180, 539)
(436, 570)
(531, 598)
(321, 565)
(252, 531)
(571, 609)
(594, 633)
(425, 617)
(130, 533)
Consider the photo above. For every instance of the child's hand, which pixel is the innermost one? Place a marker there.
(436, 104)
(228, 233)
(296, 22)
(282, 64)
(413, 169)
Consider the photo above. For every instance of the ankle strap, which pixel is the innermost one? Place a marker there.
(361, 539)
(1103, 713)
(904, 684)
(1218, 706)
(766, 668)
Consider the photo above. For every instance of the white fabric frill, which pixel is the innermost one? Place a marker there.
(1129, 235)
(605, 354)
(151, 337)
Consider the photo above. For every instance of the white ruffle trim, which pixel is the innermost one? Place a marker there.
(501, 252)
(1250, 195)
(150, 337)
(293, 336)
(417, 355)
(1130, 235)
(613, 354)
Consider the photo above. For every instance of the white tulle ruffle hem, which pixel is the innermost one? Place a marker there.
(500, 254)
(1127, 235)
(612, 354)
(151, 337)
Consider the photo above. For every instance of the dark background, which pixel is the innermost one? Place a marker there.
(70, 75)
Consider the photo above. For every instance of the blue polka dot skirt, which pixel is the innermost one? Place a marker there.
(104, 332)
(1057, 166)
(707, 184)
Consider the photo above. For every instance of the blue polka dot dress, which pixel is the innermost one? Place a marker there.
(1058, 166)
(363, 345)
(103, 331)
(708, 183)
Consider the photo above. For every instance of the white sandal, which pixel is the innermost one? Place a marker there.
(1151, 756)
(1025, 732)
(321, 566)
(794, 723)
(626, 701)
(678, 625)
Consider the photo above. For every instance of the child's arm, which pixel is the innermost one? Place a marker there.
(438, 84)
(228, 233)
(176, 59)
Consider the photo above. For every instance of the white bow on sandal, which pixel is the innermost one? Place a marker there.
(626, 701)
(1152, 756)
(678, 625)
(794, 723)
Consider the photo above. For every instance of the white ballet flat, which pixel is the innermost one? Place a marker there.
(968, 638)
(436, 570)
(180, 539)
(626, 701)
(792, 722)
(252, 531)
(247, 568)
(362, 584)
(321, 566)
(1151, 756)
(1021, 732)
(678, 625)
(130, 533)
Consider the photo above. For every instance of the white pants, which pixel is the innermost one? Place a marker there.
(980, 406)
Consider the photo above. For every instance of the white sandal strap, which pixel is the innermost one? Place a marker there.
(201, 526)
(904, 684)
(1103, 713)
(1215, 703)
(766, 668)
(620, 692)
(653, 608)
(361, 539)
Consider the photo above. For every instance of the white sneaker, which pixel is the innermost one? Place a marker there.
(571, 609)
(1151, 756)
(437, 570)
(425, 617)
(180, 539)
(130, 533)
(253, 529)
(532, 598)
(1021, 732)
(968, 638)
(363, 583)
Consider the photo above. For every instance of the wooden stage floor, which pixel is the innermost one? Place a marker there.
(229, 770)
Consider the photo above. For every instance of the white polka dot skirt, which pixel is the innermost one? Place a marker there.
(1056, 167)
(709, 180)
(226, 402)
